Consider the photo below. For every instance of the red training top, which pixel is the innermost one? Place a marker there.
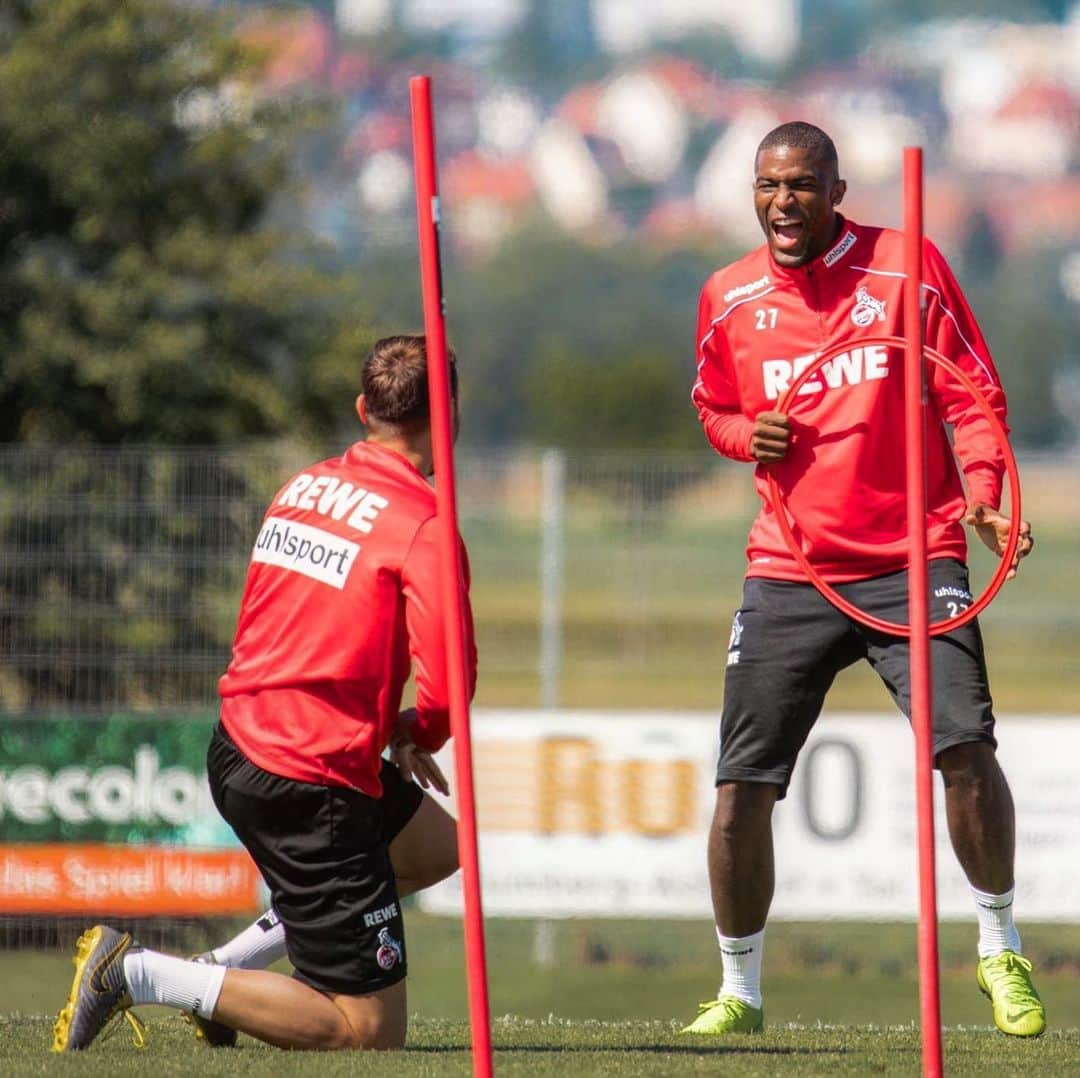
(843, 479)
(342, 589)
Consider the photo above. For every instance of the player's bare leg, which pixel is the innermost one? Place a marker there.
(286, 1013)
(113, 974)
(425, 850)
(982, 827)
(979, 808)
(741, 877)
(741, 869)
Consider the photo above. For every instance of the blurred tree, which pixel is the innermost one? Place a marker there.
(981, 249)
(142, 298)
(631, 401)
(552, 49)
(543, 322)
(1032, 329)
(1011, 10)
(592, 347)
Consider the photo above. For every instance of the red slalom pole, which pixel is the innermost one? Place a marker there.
(427, 222)
(918, 610)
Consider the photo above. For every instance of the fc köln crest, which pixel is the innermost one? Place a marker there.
(867, 308)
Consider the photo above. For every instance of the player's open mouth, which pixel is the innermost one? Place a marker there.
(786, 233)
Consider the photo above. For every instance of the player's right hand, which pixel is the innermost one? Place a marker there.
(771, 437)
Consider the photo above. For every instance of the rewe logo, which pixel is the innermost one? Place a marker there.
(848, 368)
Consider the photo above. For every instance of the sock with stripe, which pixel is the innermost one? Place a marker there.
(258, 946)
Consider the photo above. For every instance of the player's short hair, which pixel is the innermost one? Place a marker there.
(394, 380)
(800, 135)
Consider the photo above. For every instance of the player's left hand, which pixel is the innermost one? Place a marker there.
(993, 529)
(413, 762)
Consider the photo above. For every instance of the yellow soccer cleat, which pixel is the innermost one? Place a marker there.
(727, 1014)
(1006, 979)
(211, 1033)
(98, 992)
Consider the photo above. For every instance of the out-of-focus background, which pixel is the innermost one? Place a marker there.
(207, 216)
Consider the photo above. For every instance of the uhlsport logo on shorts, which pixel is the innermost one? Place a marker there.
(315, 552)
(389, 953)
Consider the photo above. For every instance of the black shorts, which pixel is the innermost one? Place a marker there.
(324, 854)
(788, 643)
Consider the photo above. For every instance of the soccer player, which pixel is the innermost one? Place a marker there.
(820, 281)
(342, 599)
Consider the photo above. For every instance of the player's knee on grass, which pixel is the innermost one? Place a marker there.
(377, 1021)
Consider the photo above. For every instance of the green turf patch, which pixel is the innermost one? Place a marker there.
(561, 1047)
(610, 998)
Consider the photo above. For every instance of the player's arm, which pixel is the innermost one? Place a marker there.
(952, 330)
(426, 628)
(716, 394)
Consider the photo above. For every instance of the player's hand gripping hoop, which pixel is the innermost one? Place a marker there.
(830, 593)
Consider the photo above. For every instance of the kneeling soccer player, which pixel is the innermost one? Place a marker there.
(341, 601)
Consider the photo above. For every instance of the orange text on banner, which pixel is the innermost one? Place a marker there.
(126, 880)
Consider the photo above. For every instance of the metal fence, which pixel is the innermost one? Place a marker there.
(599, 579)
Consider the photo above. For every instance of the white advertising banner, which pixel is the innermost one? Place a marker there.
(587, 813)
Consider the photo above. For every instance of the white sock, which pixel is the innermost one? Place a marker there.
(997, 932)
(741, 960)
(258, 946)
(153, 977)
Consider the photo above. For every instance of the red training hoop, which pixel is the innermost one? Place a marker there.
(830, 593)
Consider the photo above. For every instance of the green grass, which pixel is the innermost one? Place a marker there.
(568, 1049)
(840, 999)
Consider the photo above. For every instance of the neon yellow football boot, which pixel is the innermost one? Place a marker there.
(726, 1015)
(1006, 979)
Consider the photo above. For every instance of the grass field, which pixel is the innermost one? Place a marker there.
(564, 1048)
(840, 999)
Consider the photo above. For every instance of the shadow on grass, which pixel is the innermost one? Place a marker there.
(655, 1049)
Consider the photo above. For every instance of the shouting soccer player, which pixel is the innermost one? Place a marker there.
(818, 282)
(342, 598)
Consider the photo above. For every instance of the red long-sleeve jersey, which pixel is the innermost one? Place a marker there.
(342, 596)
(843, 479)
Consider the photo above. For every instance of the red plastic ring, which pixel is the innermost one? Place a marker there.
(830, 593)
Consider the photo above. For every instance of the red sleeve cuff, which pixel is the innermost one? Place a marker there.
(984, 485)
(431, 730)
